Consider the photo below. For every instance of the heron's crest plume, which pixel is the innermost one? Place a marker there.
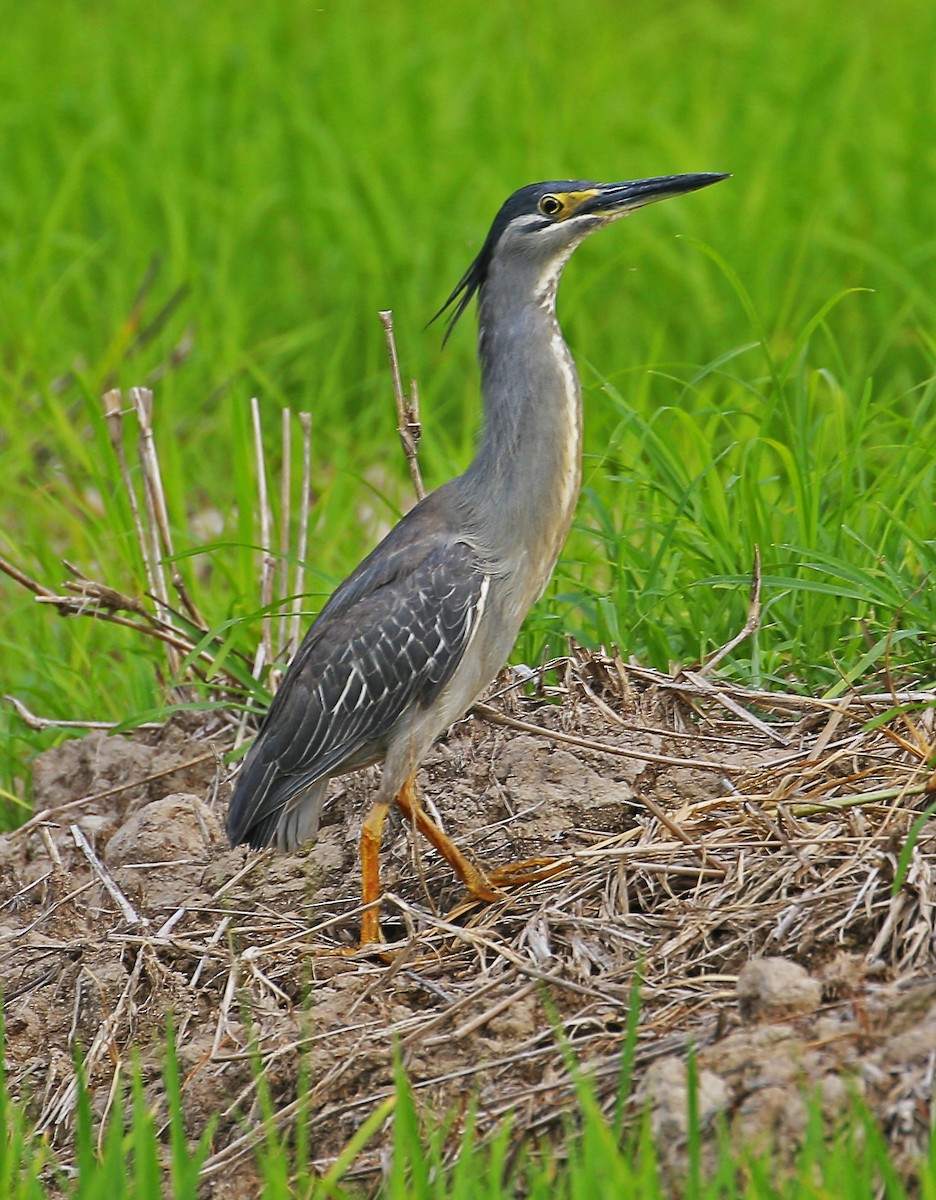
(523, 202)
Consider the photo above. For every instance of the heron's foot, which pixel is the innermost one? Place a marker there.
(371, 941)
(352, 951)
(491, 886)
(370, 928)
(370, 952)
(479, 886)
(528, 870)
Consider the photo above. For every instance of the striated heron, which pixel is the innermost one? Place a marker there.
(411, 638)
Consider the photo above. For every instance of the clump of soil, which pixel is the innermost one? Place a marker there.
(742, 847)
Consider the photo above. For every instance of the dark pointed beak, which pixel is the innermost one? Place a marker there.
(616, 199)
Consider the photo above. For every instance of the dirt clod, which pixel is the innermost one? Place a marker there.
(769, 988)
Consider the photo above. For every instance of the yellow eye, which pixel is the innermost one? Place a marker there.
(551, 206)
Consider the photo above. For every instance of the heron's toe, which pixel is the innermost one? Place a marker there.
(529, 870)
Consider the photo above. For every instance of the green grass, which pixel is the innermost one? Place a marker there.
(132, 1157)
(758, 360)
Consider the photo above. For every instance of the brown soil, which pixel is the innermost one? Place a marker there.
(747, 859)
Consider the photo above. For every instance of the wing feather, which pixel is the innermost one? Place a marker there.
(392, 635)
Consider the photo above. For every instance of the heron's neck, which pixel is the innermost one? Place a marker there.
(528, 465)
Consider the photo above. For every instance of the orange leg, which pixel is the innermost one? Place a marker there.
(370, 871)
(475, 881)
(478, 885)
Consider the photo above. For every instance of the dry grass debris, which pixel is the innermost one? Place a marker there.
(700, 826)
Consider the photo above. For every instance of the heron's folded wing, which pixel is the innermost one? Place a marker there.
(392, 634)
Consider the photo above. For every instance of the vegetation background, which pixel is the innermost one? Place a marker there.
(216, 197)
(250, 183)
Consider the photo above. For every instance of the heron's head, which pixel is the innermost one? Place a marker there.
(541, 224)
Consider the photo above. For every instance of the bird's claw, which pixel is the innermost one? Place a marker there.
(529, 870)
(491, 886)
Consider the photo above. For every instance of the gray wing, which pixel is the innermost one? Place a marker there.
(391, 635)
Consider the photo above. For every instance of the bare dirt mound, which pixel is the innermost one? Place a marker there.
(743, 847)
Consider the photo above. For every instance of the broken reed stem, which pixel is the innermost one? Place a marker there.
(33, 721)
(160, 620)
(113, 414)
(130, 915)
(305, 420)
(161, 630)
(408, 423)
(414, 432)
(152, 476)
(268, 563)
(285, 513)
(142, 400)
(148, 539)
(32, 585)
